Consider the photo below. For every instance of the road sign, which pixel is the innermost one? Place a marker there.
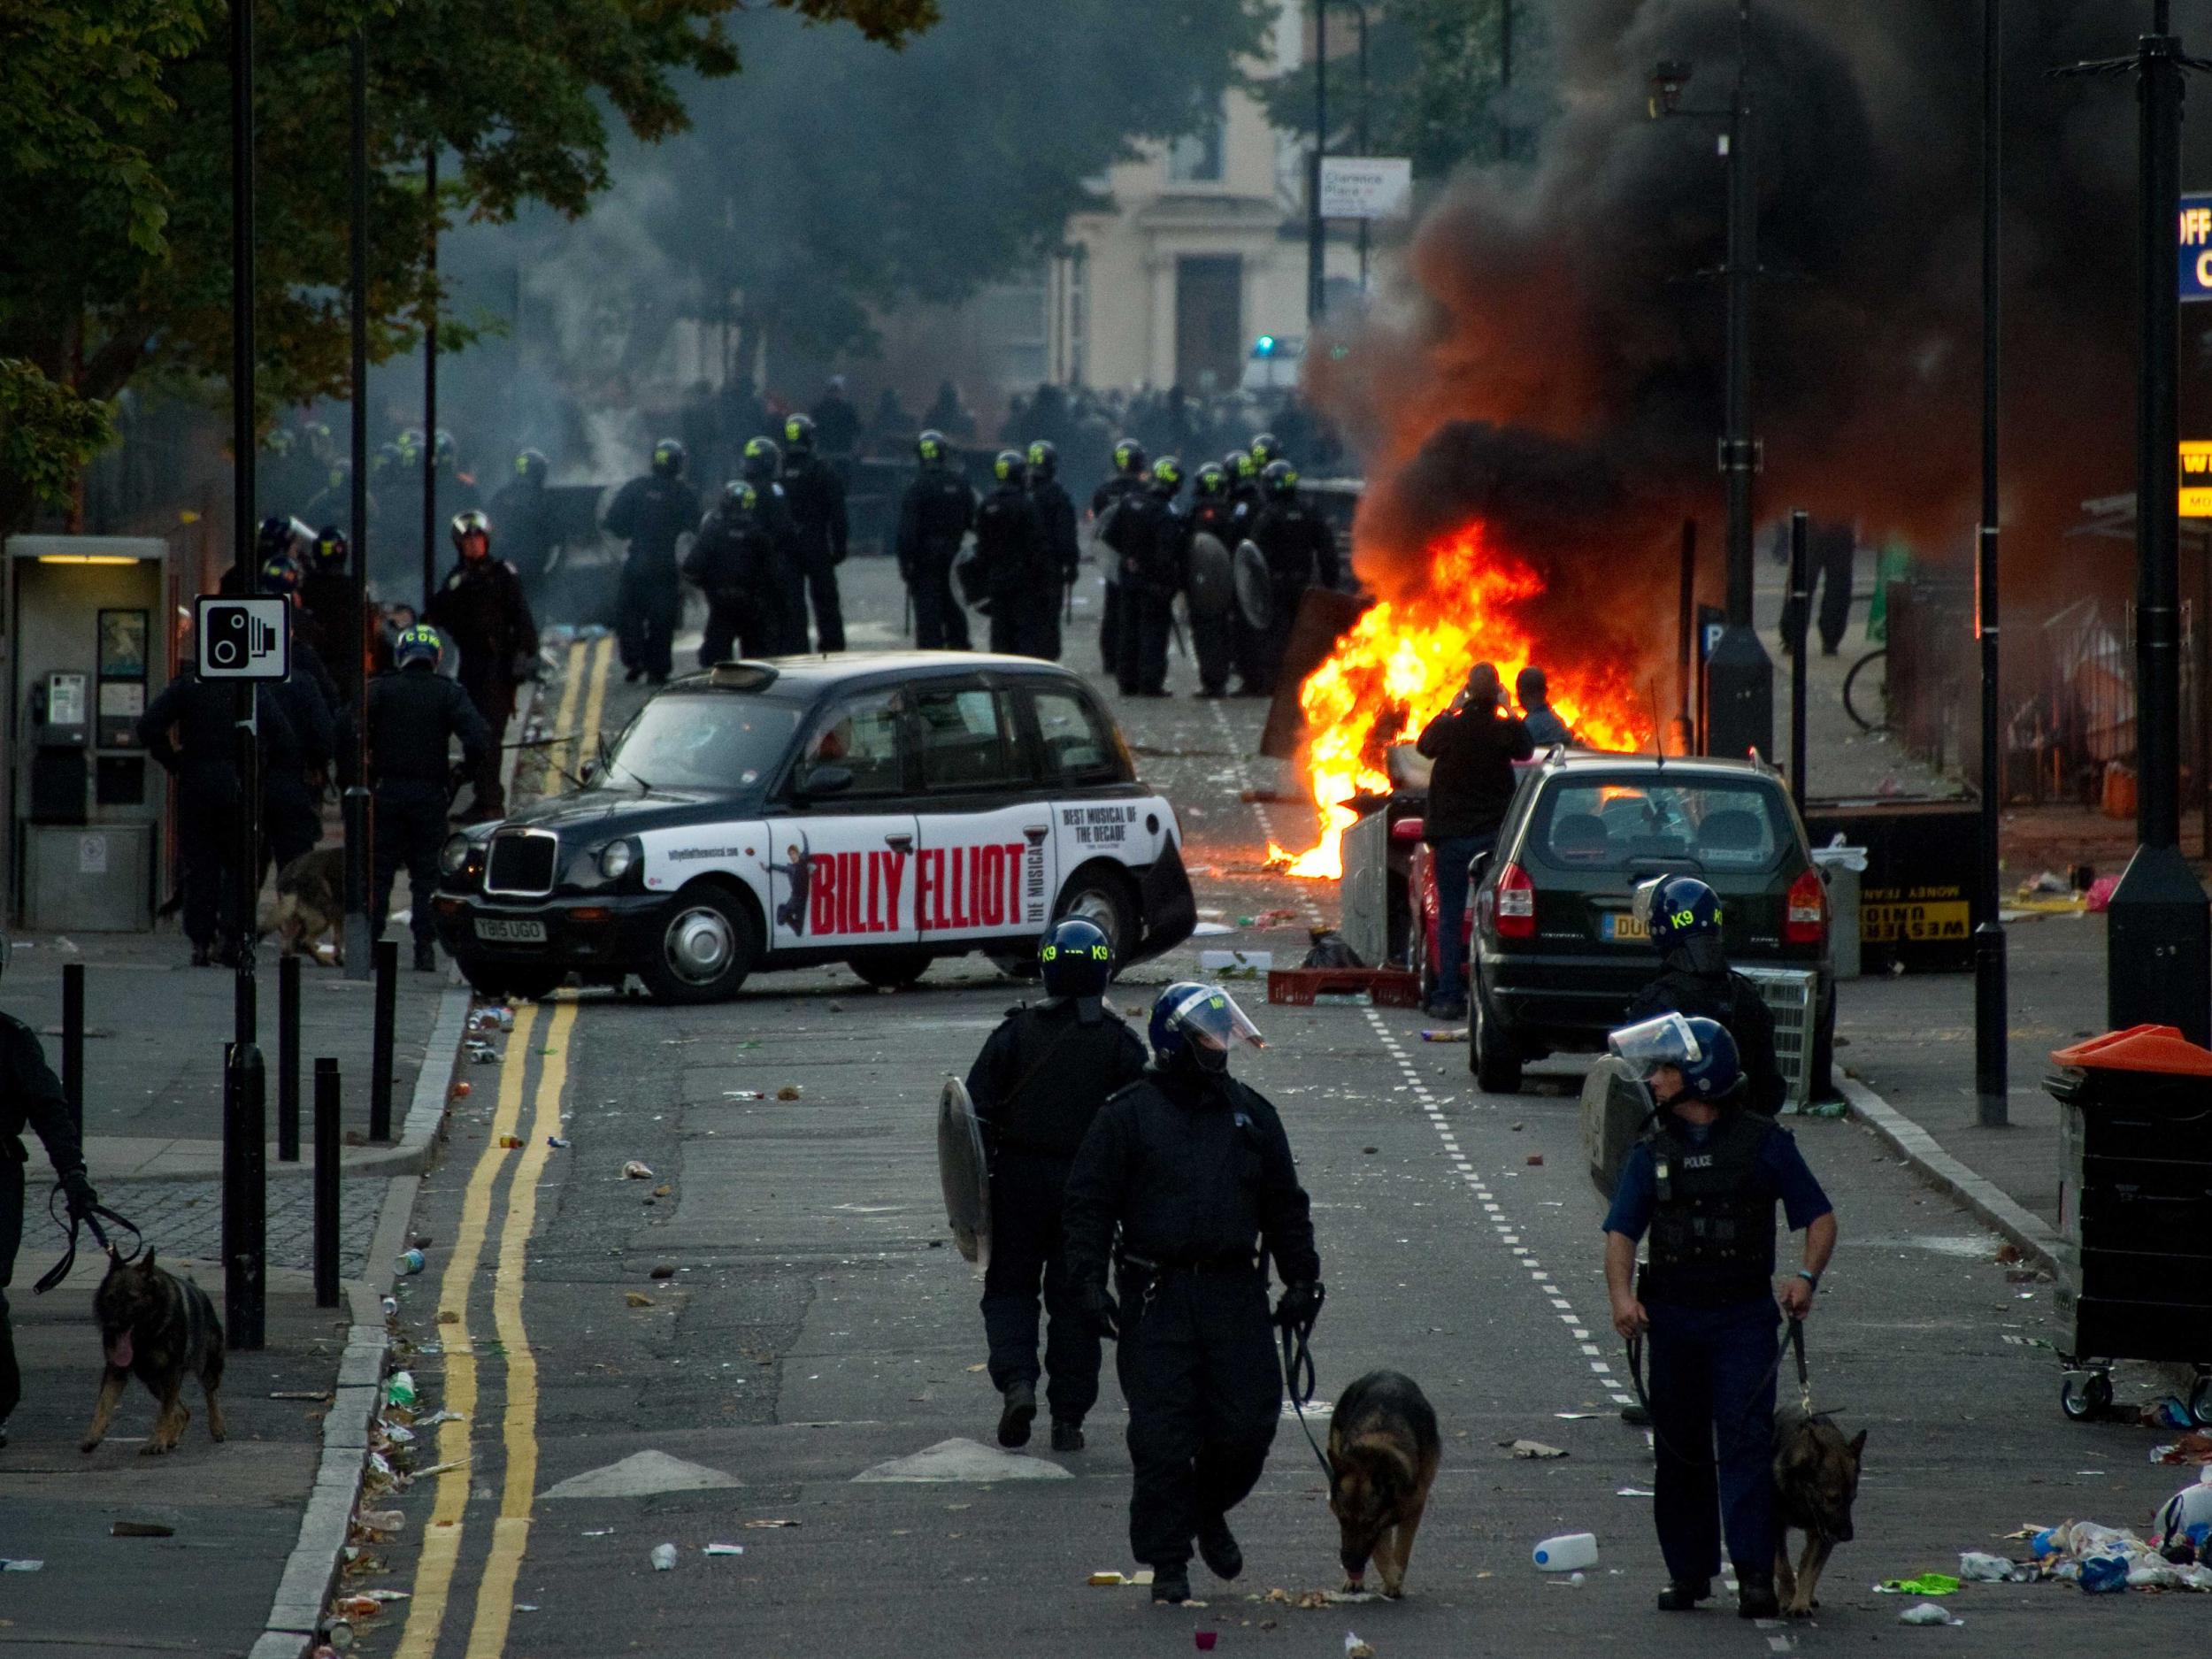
(244, 639)
(1374, 187)
(2196, 247)
(2196, 479)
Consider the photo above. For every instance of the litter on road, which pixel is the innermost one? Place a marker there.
(1927, 1613)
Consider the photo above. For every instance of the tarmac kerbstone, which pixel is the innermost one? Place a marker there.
(363, 1367)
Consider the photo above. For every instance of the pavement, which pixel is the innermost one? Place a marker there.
(767, 1341)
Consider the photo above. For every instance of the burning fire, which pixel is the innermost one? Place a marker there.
(1406, 658)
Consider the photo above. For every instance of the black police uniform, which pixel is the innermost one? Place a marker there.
(1197, 1172)
(650, 513)
(1708, 1198)
(1245, 641)
(1830, 553)
(414, 714)
(30, 1097)
(523, 516)
(1056, 509)
(733, 561)
(1037, 1086)
(1110, 619)
(298, 746)
(937, 510)
(1735, 1002)
(191, 730)
(1301, 549)
(1149, 536)
(1017, 569)
(483, 607)
(817, 495)
(1210, 637)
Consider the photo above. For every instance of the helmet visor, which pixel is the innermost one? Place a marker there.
(1646, 900)
(1665, 1040)
(1210, 1018)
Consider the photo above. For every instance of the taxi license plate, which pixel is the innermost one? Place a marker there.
(1617, 925)
(499, 931)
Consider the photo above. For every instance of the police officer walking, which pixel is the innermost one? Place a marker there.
(817, 495)
(1149, 536)
(1056, 509)
(524, 517)
(1214, 512)
(936, 515)
(1126, 479)
(1015, 559)
(482, 608)
(733, 562)
(652, 513)
(1299, 548)
(1684, 915)
(1036, 1087)
(1196, 1170)
(30, 1097)
(1704, 1181)
(414, 714)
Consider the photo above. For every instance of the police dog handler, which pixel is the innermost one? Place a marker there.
(1704, 1181)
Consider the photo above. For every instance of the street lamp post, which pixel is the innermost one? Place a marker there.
(1316, 281)
(1991, 1086)
(354, 666)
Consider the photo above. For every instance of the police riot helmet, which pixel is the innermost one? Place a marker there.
(281, 534)
(1210, 482)
(331, 551)
(1009, 468)
(1076, 958)
(1128, 458)
(316, 436)
(472, 534)
(1167, 476)
(278, 441)
(410, 444)
(798, 433)
(763, 459)
(531, 466)
(1240, 465)
(1676, 910)
(930, 447)
(417, 644)
(442, 447)
(1194, 1024)
(1700, 1049)
(279, 574)
(668, 458)
(388, 457)
(1266, 446)
(740, 497)
(1044, 459)
(1280, 481)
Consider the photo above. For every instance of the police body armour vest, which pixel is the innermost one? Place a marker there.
(1712, 1226)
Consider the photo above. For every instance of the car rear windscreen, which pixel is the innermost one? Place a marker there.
(1597, 825)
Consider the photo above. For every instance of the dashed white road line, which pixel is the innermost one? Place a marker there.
(1259, 808)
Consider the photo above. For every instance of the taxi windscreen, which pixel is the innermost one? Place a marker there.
(1599, 825)
(714, 743)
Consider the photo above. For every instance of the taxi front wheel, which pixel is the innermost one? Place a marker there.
(709, 943)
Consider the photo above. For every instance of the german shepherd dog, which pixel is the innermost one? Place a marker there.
(1816, 1479)
(310, 900)
(1383, 1453)
(162, 1329)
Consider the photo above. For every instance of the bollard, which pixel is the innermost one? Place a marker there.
(287, 1059)
(245, 1197)
(1802, 607)
(381, 1056)
(326, 1100)
(73, 1042)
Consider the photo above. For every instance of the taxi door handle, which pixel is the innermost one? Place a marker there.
(901, 843)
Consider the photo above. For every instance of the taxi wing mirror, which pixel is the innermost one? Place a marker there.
(590, 770)
(827, 780)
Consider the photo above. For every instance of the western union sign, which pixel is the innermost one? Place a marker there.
(2196, 480)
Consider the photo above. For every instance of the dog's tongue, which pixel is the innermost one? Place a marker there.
(119, 1351)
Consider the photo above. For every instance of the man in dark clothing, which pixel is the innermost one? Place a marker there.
(1474, 744)
(298, 750)
(760, 464)
(1246, 643)
(1300, 550)
(936, 514)
(1214, 512)
(525, 517)
(817, 511)
(1684, 916)
(481, 609)
(733, 561)
(1017, 563)
(1036, 1087)
(1056, 509)
(836, 422)
(1148, 538)
(333, 617)
(415, 714)
(30, 1097)
(1544, 727)
(1196, 1170)
(1831, 552)
(1127, 477)
(652, 513)
(1704, 1180)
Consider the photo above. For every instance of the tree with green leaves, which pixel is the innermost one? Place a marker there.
(114, 163)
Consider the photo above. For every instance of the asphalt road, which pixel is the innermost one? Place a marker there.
(817, 1324)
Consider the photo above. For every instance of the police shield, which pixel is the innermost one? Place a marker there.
(970, 579)
(1615, 1104)
(962, 1171)
(1212, 588)
(1255, 588)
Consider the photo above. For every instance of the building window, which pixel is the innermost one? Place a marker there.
(1195, 157)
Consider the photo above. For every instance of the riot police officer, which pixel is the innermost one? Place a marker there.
(1265, 450)
(1299, 548)
(1056, 509)
(1684, 916)
(733, 562)
(1214, 512)
(298, 750)
(652, 513)
(523, 514)
(1127, 477)
(1036, 1087)
(30, 1097)
(1704, 1181)
(326, 596)
(936, 515)
(760, 464)
(817, 495)
(1148, 536)
(1016, 561)
(1195, 1169)
(482, 609)
(415, 714)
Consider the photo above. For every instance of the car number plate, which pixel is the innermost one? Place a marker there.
(499, 931)
(1621, 925)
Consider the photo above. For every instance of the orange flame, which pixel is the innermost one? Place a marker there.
(1401, 664)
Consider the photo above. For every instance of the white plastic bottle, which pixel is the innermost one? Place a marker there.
(1569, 1552)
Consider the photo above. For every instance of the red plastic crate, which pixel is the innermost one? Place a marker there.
(1301, 987)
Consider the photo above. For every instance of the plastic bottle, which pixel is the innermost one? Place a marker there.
(400, 1391)
(1569, 1552)
(663, 1557)
(411, 1261)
